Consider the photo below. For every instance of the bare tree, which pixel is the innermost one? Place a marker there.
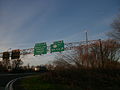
(6, 63)
(115, 33)
(90, 57)
(17, 63)
(65, 60)
(110, 51)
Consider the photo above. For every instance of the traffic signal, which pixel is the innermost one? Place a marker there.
(15, 54)
(6, 55)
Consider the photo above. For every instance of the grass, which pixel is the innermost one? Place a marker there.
(36, 83)
(74, 80)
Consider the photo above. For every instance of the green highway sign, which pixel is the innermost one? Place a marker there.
(40, 48)
(57, 46)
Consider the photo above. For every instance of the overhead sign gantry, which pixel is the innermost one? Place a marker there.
(42, 48)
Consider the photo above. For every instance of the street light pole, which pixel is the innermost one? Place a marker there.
(8, 49)
(86, 37)
(87, 62)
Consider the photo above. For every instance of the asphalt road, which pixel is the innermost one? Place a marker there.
(5, 78)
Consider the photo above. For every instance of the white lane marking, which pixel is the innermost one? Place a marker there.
(9, 85)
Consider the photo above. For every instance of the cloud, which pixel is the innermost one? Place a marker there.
(17, 24)
(14, 19)
(38, 60)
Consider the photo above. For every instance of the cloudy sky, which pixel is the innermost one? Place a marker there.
(26, 22)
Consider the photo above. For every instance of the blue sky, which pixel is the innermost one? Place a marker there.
(26, 22)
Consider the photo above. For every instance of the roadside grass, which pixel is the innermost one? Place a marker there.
(74, 80)
(36, 83)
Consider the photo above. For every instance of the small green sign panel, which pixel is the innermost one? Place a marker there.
(57, 46)
(40, 48)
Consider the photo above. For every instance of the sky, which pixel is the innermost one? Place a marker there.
(26, 22)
